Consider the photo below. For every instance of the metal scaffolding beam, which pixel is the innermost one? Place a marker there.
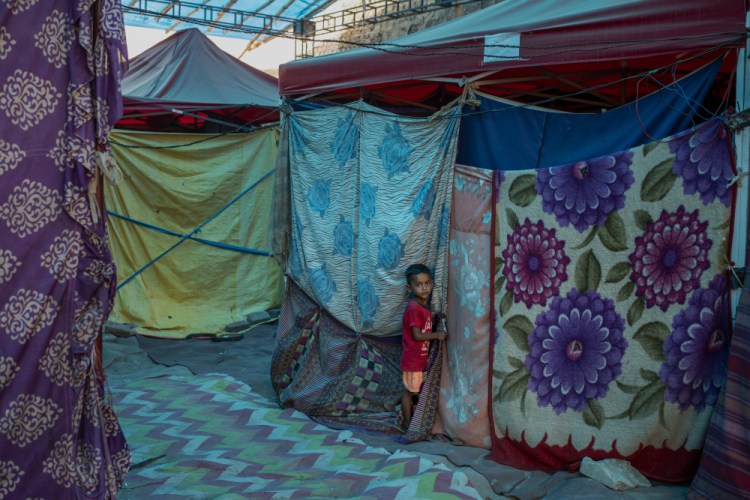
(379, 10)
(204, 14)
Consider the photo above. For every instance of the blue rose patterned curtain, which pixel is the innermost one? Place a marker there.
(60, 66)
(370, 194)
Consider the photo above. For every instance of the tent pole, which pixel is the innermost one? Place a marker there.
(742, 151)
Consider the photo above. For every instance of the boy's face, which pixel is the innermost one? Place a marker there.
(421, 286)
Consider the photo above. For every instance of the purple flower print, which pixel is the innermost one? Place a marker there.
(576, 349)
(669, 258)
(702, 161)
(583, 194)
(696, 350)
(535, 263)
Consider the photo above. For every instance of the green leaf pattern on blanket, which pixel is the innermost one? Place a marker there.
(588, 272)
(593, 415)
(589, 238)
(522, 191)
(642, 219)
(512, 218)
(625, 292)
(658, 182)
(651, 336)
(613, 235)
(506, 303)
(636, 311)
(519, 328)
(618, 272)
(514, 384)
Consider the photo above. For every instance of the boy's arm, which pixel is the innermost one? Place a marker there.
(416, 332)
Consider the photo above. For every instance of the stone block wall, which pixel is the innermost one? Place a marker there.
(384, 31)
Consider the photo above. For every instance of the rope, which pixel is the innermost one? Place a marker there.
(185, 237)
(737, 179)
(109, 167)
(216, 244)
(736, 277)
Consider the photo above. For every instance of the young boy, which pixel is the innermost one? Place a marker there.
(417, 334)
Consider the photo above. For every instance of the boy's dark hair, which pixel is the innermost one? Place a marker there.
(415, 269)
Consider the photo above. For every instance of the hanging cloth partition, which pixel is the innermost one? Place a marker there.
(465, 374)
(60, 69)
(222, 273)
(370, 195)
(524, 137)
(611, 306)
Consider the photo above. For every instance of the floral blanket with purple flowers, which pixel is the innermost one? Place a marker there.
(611, 309)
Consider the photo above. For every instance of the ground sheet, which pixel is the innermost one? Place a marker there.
(211, 436)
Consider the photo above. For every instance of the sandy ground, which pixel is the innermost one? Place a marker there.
(249, 360)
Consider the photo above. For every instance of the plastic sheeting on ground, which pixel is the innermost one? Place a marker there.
(197, 287)
(211, 436)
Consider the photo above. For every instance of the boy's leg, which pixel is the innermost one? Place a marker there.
(407, 407)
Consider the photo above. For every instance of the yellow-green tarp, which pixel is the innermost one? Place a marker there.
(195, 288)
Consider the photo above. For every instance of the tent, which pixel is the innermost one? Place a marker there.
(540, 62)
(190, 219)
(541, 48)
(186, 82)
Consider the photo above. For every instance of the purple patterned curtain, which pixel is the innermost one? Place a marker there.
(60, 66)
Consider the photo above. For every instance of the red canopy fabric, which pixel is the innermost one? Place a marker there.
(188, 72)
(552, 32)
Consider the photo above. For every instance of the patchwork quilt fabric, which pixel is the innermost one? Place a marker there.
(370, 195)
(612, 319)
(344, 379)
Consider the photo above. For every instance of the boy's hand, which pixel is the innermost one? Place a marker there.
(441, 335)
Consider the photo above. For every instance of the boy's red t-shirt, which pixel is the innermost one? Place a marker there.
(414, 353)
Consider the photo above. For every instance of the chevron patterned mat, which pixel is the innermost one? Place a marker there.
(210, 436)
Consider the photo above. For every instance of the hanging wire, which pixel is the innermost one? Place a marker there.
(640, 76)
(184, 145)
